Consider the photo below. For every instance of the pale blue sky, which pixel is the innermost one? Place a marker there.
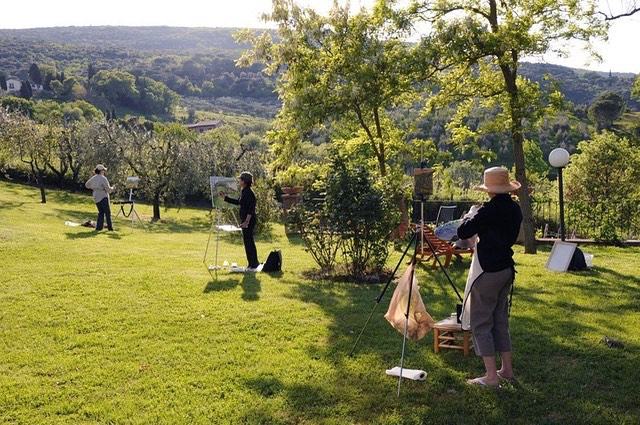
(619, 54)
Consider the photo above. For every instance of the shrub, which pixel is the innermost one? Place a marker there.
(266, 206)
(359, 210)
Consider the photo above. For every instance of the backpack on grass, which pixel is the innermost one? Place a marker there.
(273, 263)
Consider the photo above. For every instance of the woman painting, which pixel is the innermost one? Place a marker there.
(496, 224)
(247, 203)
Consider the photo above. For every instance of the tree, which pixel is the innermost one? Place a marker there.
(32, 143)
(160, 154)
(484, 41)
(25, 90)
(155, 97)
(34, 74)
(635, 91)
(602, 180)
(91, 71)
(606, 109)
(17, 104)
(335, 69)
(117, 86)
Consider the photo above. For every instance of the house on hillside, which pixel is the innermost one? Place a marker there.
(202, 126)
(14, 85)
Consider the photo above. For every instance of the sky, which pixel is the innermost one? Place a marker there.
(619, 53)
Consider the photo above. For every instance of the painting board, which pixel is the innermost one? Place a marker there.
(560, 256)
(228, 185)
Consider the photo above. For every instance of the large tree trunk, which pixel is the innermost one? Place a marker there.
(517, 139)
(156, 208)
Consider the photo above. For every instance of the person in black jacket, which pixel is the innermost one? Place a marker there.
(248, 217)
(497, 224)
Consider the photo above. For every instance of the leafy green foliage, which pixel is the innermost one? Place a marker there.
(336, 68)
(17, 104)
(362, 213)
(601, 178)
(606, 109)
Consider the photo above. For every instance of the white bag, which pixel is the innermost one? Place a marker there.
(420, 322)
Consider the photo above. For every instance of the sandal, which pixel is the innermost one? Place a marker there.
(501, 377)
(480, 382)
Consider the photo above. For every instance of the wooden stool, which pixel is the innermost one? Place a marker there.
(448, 333)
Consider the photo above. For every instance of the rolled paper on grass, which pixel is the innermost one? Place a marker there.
(414, 374)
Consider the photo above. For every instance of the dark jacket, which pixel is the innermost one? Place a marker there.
(247, 204)
(497, 223)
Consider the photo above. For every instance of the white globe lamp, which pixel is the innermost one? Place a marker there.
(559, 158)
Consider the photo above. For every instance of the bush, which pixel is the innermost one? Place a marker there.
(322, 241)
(266, 206)
(359, 210)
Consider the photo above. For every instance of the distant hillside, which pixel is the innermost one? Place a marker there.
(581, 86)
(199, 64)
(146, 39)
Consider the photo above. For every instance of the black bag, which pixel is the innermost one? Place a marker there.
(273, 263)
(577, 263)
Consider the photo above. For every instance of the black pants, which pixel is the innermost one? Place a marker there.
(104, 210)
(250, 245)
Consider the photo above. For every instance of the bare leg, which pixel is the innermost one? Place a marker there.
(491, 377)
(506, 371)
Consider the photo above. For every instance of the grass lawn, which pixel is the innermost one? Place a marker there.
(130, 328)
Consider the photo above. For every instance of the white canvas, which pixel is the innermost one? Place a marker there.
(560, 256)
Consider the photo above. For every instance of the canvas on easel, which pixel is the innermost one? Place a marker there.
(221, 211)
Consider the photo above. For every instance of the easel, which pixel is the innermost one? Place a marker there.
(218, 227)
(415, 240)
(132, 183)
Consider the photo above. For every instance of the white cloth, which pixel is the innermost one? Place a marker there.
(414, 374)
(475, 270)
(229, 228)
(100, 186)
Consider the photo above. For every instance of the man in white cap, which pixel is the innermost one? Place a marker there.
(99, 184)
(496, 224)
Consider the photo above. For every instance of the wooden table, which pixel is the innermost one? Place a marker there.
(448, 334)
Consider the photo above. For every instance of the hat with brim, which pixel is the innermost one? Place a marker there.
(101, 167)
(496, 180)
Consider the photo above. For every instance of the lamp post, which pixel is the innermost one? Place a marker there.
(559, 158)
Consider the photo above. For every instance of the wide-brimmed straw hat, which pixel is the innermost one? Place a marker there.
(496, 180)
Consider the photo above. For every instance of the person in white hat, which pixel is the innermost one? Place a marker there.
(496, 224)
(101, 188)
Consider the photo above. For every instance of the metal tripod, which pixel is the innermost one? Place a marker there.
(414, 240)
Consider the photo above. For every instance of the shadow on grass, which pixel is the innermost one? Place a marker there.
(91, 233)
(220, 285)
(249, 282)
(250, 287)
(564, 376)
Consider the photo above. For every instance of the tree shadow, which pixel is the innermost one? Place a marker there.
(565, 374)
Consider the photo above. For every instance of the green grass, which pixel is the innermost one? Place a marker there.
(129, 328)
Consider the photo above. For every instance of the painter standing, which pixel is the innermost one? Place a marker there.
(101, 188)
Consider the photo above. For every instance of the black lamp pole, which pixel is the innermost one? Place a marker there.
(561, 198)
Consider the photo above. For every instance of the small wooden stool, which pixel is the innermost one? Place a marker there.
(448, 333)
